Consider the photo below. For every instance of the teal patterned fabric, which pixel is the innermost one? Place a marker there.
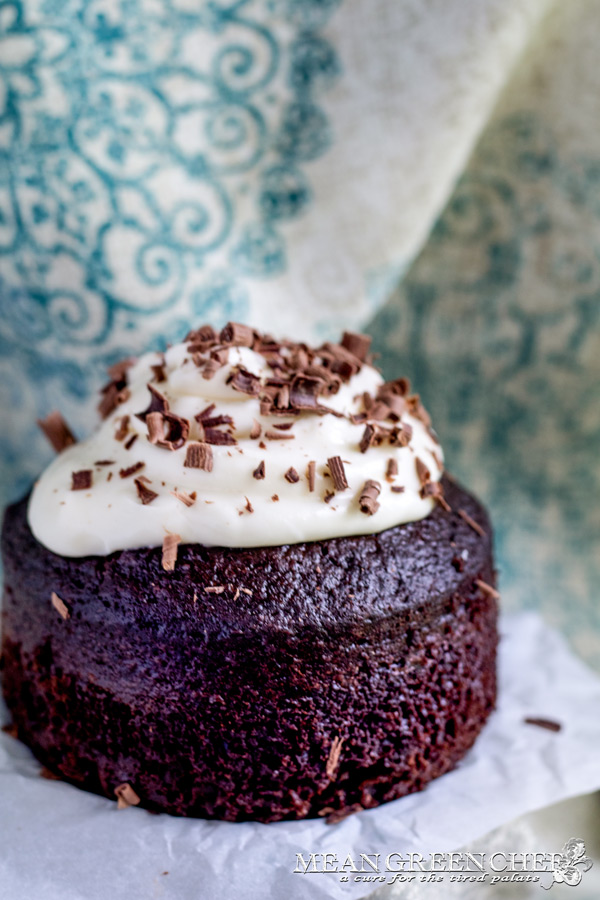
(498, 325)
(150, 153)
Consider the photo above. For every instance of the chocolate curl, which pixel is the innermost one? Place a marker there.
(237, 335)
(368, 497)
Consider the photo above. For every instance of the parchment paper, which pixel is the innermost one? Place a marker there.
(60, 843)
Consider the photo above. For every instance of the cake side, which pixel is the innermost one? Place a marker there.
(308, 679)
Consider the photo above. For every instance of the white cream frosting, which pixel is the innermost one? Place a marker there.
(110, 515)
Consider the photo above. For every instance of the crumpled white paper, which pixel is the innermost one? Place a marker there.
(60, 843)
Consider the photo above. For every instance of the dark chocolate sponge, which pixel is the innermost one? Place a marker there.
(233, 707)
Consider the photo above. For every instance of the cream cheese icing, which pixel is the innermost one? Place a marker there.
(231, 505)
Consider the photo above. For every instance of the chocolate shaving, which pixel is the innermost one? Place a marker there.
(278, 436)
(125, 473)
(175, 429)
(169, 551)
(145, 494)
(334, 758)
(329, 495)
(245, 382)
(310, 474)
(435, 489)
(368, 438)
(211, 367)
(59, 605)
(130, 441)
(104, 462)
(392, 469)
(402, 435)
(548, 724)
(199, 456)
(126, 796)
(187, 499)
(57, 431)
(338, 473)
(304, 392)
(292, 476)
(471, 522)
(283, 426)
(250, 509)
(237, 335)
(397, 489)
(123, 429)
(423, 473)
(214, 421)
(275, 498)
(379, 411)
(82, 480)
(256, 430)
(259, 472)
(158, 403)
(215, 589)
(201, 416)
(112, 396)
(487, 588)
(368, 497)
(217, 437)
(205, 336)
(357, 344)
(156, 427)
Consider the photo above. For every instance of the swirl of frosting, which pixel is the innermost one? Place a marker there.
(239, 440)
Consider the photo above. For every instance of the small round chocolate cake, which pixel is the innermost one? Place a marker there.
(252, 593)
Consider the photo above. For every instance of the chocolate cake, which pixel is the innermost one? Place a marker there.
(256, 681)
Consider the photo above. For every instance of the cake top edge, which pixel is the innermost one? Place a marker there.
(238, 439)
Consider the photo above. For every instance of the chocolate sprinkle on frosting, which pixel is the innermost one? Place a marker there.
(218, 437)
(338, 473)
(169, 551)
(199, 456)
(548, 724)
(82, 480)
(368, 497)
(125, 473)
(186, 499)
(237, 335)
(145, 494)
(122, 429)
(59, 605)
(259, 472)
(57, 431)
(245, 382)
(292, 476)
(368, 438)
(278, 436)
(423, 473)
